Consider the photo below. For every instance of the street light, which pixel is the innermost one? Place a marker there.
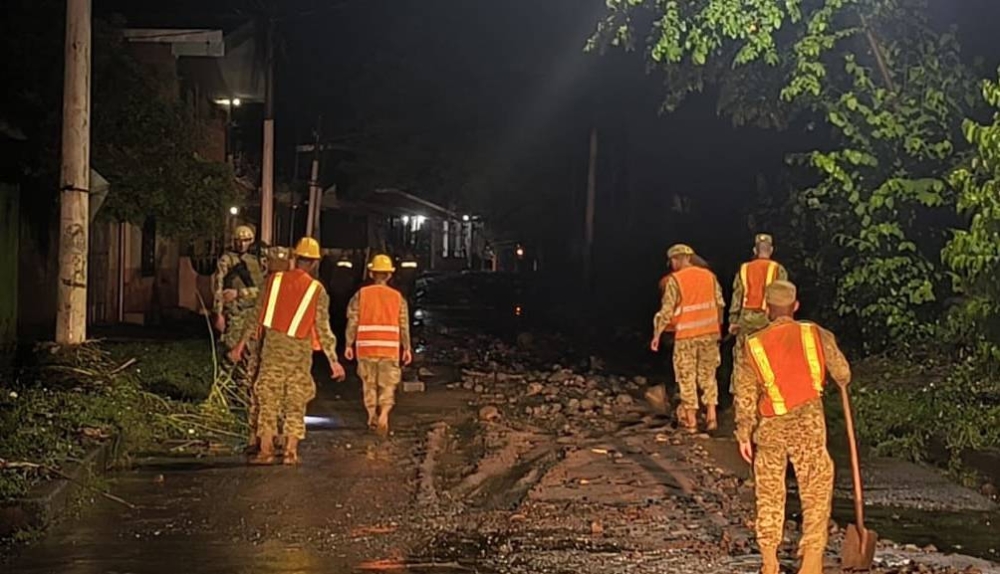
(466, 218)
(234, 211)
(236, 102)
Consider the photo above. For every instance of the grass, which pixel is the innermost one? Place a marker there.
(62, 402)
(923, 413)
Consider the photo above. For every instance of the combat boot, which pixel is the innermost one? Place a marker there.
(711, 418)
(769, 562)
(291, 451)
(266, 453)
(812, 562)
(383, 423)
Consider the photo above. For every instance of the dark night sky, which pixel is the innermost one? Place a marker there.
(487, 104)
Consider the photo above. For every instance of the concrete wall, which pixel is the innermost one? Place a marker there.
(9, 239)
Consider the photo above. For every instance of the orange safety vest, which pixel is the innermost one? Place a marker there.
(697, 313)
(378, 324)
(788, 358)
(290, 306)
(755, 277)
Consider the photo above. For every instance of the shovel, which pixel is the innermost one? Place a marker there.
(858, 551)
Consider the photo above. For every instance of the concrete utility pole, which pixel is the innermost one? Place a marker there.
(591, 206)
(71, 311)
(315, 192)
(267, 171)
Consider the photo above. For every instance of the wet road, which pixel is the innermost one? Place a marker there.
(350, 503)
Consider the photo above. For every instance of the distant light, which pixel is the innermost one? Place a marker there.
(520, 252)
(408, 264)
(236, 102)
(420, 220)
(517, 311)
(224, 102)
(466, 218)
(406, 220)
(345, 264)
(418, 314)
(234, 210)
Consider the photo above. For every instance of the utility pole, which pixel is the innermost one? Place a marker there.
(267, 171)
(588, 257)
(74, 181)
(315, 192)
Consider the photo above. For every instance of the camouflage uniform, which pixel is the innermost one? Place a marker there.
(749, 320)
(285, 385)
(799, 436)
(380, 377)
(695, 359)
(244, 273)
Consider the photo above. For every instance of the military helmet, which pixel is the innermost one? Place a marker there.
(243, 233)
(679, 250)
(781, 293)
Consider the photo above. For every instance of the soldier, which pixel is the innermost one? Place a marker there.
(748, 311)
(692, 307)
(236, 284)
(378, 328)
(292, 315)
(779, 409)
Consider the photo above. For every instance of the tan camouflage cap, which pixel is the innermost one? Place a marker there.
(679, 250)
(763, 238)
(781, 294)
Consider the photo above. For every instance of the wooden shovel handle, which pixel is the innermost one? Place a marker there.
(859, 500)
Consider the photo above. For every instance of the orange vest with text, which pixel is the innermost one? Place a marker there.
(788, 358)
(755, 277)
(378, 323)
(290, 305)
(697, 313)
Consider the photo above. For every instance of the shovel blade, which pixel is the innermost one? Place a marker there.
(858, 552)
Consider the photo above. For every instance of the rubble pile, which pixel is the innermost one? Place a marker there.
(559, 400)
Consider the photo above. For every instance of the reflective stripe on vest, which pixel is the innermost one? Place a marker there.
(801, 367)
(378, 322)
(697, 313)
(753, 294)
(282, 298)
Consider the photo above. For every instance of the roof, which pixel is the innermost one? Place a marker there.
(183, 42)
(390, 202)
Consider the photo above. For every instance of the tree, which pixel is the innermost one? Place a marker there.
(890, 89)
(973, 254)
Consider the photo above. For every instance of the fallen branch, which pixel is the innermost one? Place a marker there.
(123, 366)
(22, 465)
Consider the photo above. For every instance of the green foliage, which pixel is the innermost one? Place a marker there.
(904, 413)
(180, 370)
(144, 139)
(65, 404)
(145, 143)
(973, 254)
(890, 89)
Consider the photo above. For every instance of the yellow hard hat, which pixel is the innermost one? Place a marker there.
(679, 250)
(307, 248)
(763, 238)
(381, 264)
(243, 233)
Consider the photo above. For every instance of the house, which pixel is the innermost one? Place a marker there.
(403, 225)
(136, 275)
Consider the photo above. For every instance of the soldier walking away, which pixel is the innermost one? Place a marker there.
(779, 417)
(293, 319)
(748, 310)
(238, 277)
(692, 307)
(378, 329)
